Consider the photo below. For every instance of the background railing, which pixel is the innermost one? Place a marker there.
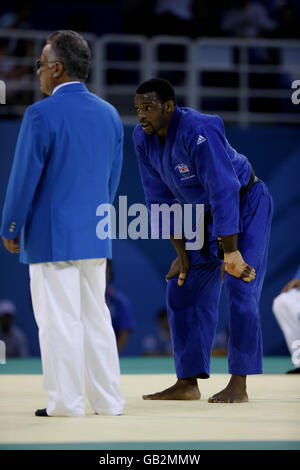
(243, 80)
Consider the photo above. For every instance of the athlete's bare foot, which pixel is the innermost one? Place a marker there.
(184, 389)
(235, 392)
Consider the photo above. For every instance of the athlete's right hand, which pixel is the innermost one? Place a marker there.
(180, 266)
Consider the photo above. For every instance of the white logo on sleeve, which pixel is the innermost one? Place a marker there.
(201, 139)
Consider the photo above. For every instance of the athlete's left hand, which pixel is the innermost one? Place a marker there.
(235, 265)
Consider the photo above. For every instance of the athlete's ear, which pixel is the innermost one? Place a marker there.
(169, 106)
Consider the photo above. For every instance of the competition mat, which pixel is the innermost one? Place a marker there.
(270, 420)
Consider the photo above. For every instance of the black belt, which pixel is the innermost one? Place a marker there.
(252, 180)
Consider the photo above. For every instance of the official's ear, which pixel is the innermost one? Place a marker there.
(59, 70)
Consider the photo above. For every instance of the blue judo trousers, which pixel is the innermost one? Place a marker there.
(193, 307)
(198, 165)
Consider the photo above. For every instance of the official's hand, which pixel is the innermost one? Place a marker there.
(235, 265)
(12, 245)
(293, 284)
(179, 266)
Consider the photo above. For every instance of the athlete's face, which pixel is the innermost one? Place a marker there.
(153, 115)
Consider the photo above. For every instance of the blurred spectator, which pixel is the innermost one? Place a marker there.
(16, 56)
(19, 17)
(16, 344)
(248, 20)
(159, 342)
(120, 310)
(252, 19)
(174, 17)
(286, 308)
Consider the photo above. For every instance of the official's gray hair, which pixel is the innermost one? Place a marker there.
(73, 51)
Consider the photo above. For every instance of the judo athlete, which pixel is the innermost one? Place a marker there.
(286, 308)
(238, 211)
(68, 161)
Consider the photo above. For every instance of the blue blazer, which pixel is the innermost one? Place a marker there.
(67, 162)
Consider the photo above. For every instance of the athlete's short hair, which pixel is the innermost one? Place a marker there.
(73, 51)
(160, 86)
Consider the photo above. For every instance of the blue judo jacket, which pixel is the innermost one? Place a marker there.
(67, 162)
(196, 165)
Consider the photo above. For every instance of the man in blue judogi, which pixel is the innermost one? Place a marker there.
(67, 162)
(184, 157)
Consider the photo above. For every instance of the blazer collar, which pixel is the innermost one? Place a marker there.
(71, 88)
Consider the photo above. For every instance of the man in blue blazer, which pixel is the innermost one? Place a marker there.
(67, 162)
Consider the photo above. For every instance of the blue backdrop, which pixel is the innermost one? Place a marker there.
(140, 266)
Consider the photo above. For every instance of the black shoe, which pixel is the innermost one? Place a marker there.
(42, 412)
(294, 371)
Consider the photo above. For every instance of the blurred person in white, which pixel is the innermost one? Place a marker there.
(286, 308)
(16, 344)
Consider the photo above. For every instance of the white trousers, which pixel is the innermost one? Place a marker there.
(77, 341)
(286, 308)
